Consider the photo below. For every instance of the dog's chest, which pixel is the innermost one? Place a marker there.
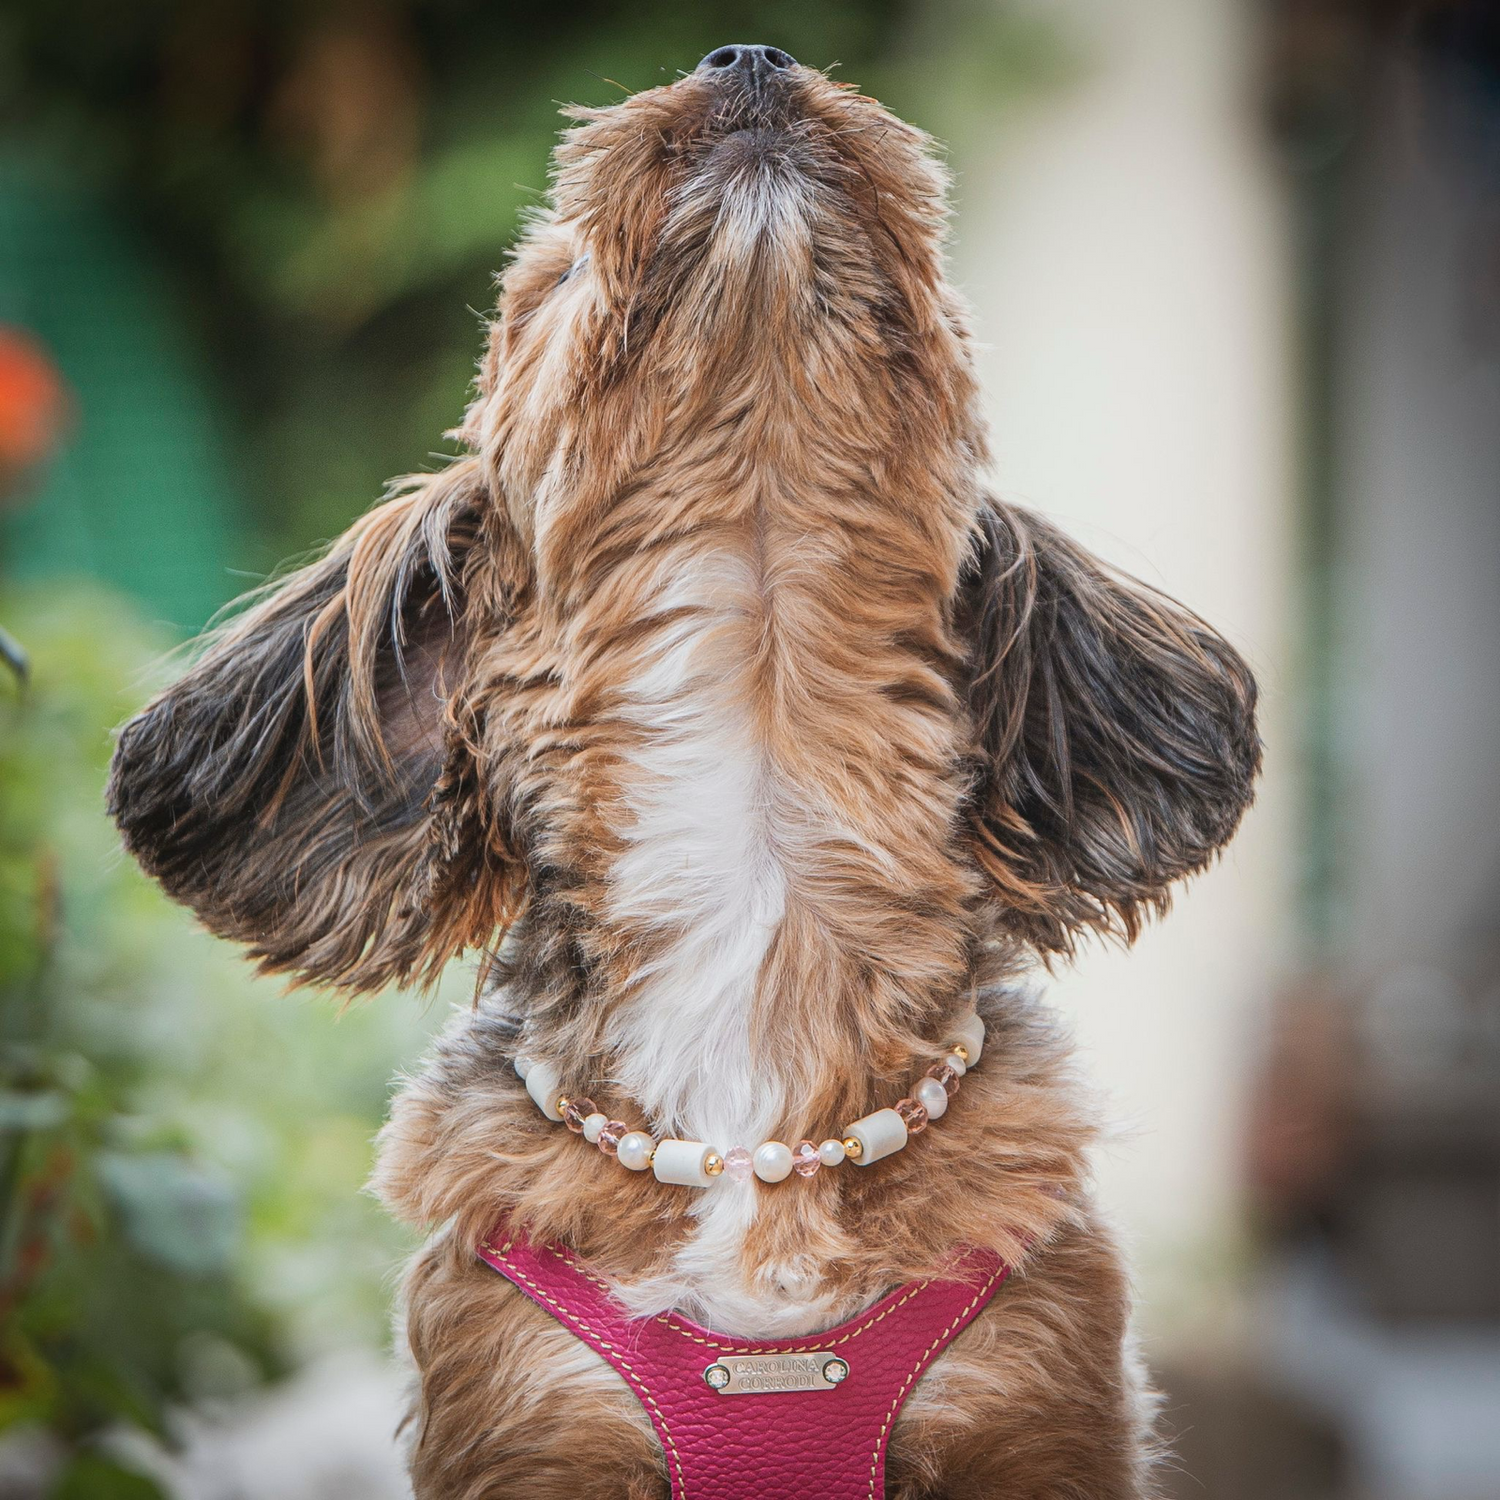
(702, 878)
(767, 812)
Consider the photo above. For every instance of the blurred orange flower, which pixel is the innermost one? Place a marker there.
(33, 402)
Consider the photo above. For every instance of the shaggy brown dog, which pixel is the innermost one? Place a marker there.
(714, 676)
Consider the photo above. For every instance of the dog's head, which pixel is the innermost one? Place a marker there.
(742, 261)
(753, 224)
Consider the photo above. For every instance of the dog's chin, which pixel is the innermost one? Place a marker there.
(749, 145)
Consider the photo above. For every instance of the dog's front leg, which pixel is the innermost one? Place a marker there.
(1040, 1398)
(508, 1402)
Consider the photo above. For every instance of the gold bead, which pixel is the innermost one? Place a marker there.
(852, 1148)
(713, 1164)
(562, 1104)
(960, 1050)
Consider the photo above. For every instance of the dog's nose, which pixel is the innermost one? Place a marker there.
(755, 62)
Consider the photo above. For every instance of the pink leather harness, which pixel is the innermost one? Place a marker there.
(770, 1437)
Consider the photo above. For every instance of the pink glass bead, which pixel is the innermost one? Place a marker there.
(610, 1135)
(946, 1076)
(738, 1164)
(576, 1113)
(805, 1158)
(912, 1113)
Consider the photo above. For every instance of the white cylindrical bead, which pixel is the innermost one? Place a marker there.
(522, 1065)
(954, 1061)
(682, 1162)
(773, 1161)
(932, 1096)
(592, 1125)
(542, 1083)
(878, 1135)
(970, 1031)
(831, 1153)
(635, 1150)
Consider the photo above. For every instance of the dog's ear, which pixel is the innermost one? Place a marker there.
(307, 787)
(1116, 734)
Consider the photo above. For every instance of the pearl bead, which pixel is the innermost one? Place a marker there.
(954, 1061)
(773, 1161)
(932, 1096)
(831, 1153)
(593, 1124)
(635, 1150)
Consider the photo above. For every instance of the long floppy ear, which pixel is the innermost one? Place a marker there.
(1116, 734)
(305, 787)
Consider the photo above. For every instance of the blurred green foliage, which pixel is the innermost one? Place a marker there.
(181, 1146)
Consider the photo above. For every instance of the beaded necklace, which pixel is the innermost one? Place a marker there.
(698, 1164)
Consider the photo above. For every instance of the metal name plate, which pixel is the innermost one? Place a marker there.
(765, 1374)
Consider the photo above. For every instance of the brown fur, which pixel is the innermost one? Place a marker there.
(728, 392)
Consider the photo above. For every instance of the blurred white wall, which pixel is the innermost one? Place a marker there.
(1121, 238)
(1418, 429)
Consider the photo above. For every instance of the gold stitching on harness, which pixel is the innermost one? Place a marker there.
(565, 1315)
(890, 1416)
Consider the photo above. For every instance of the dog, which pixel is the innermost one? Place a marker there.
(712, 679)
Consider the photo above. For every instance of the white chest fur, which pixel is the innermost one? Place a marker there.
(704, 873)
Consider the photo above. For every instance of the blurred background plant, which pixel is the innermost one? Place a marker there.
(120, 1237)
(181, 1149)
(1233, 270)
